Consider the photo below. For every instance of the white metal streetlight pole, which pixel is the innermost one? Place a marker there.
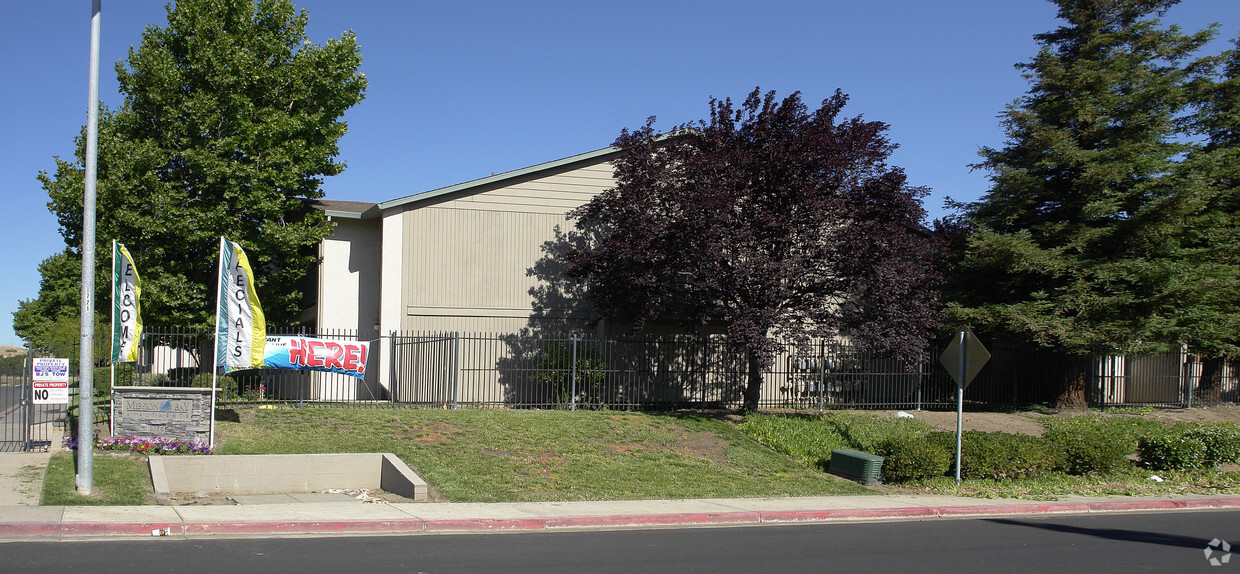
(86, 349)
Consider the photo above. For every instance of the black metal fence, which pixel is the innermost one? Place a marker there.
(30, 420)
(454, 369)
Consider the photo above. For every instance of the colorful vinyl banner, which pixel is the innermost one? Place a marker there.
(126, 311)
(240, 330)
(308, 353)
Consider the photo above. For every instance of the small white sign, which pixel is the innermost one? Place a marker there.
(51, 381)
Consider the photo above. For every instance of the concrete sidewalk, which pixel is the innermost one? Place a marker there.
(75, 522)
(21, 477)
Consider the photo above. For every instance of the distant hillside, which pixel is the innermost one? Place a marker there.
(11, 351)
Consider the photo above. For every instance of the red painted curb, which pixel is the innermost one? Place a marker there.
(30, 529)
(304, 527)
(1111, 506)
(1212, 503)
(476, 524)
(1010, 509)
(847, 514)
(415, 525)
(688, 518)
(115, 529)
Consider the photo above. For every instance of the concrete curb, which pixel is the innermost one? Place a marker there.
(414, 525)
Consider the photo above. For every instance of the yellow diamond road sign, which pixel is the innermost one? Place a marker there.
(967, 352)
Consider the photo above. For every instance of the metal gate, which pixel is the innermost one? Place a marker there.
(24, 425)
(424, 368)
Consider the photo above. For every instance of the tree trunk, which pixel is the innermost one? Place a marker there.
(753, 387)
(1211, 381)
(1071, 392)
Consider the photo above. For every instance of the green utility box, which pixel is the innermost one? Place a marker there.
(855, 465)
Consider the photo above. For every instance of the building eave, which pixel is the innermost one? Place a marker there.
(596, 156)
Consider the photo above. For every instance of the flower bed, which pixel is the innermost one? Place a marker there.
(145, 445)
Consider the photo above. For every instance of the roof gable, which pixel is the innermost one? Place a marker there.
(507, 178)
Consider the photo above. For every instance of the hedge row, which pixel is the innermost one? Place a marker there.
(1078, 446)
(1189, 448)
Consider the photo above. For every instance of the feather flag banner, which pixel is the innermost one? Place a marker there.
(240, 329)
(126, 311)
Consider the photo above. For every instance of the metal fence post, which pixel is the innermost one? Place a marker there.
(822, 373)
(394, 382)
(573, 392)
(1186, 371)
(920, 364)
(456, 365)
(705, 373)
(26, 388)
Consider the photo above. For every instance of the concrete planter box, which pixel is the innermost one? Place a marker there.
(284, 473)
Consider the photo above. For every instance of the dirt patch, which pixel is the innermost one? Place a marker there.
(633, 447)
(705, 445)
(499, 453)
(1014, 423)
(436, 433)
(1218, 414)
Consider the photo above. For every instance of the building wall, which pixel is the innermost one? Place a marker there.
(466, 259)
(349, 277)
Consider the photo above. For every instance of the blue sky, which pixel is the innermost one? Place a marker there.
(463, 89)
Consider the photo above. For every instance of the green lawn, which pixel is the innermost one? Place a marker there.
(528, 455)
(505, 455)
(502, 455)
(118, 481)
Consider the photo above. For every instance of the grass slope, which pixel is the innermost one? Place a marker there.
(501, 455)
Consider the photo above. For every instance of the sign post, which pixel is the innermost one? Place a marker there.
(963, 358)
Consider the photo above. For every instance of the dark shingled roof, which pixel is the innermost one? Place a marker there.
(345, 209)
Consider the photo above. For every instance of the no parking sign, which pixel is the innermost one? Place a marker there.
(51, 381)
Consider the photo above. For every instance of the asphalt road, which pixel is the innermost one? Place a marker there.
(1162, 542)
(10, 415)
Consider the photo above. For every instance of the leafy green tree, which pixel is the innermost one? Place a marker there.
(1080, 244)
(53, 318)
(1211, 235)
(771, 221)
(229, 124)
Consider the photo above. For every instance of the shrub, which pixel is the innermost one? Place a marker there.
(1221, 441)
(226, 384)
(554, 371)
(1172, 450)
(182, 375)
(1095, 445)
(865, 432)
(103, 381)
(912, 457)
(998, 455)
(248, 385)
(809, 440)
(155, 380)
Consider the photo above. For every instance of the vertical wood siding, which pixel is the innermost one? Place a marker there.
(467, 258)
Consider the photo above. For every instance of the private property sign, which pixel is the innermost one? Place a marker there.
(51, 381)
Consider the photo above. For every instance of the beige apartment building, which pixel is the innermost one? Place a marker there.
(452, 259)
